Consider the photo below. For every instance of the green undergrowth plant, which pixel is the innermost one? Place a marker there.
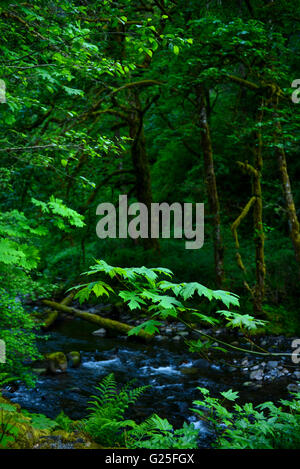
(8, 428)
(106, 422)
(107, 426)
(265, 426)
(17, 330)
(152, 292)
(64, 422)
(158, 433)
(16, 423)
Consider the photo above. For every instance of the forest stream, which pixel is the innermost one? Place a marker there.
(172, 372)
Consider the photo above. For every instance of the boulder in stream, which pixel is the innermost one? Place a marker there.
(74, 359)
(56, 362)
(100, 332)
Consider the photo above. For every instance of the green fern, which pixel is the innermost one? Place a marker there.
(158, 433)
(106, 422)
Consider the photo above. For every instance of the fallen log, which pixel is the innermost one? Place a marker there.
(96, 319)
(53, 315)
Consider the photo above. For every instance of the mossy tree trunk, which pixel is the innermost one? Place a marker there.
(254, 171)
(211, 184)
(140, 160)
(259, 237)
(294, 226)
(96, 319)
(290, 205)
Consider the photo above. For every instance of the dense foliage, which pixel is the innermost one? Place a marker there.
(266, 426)
(165, 101)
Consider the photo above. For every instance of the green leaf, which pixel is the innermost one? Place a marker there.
(149, 326)
(230, 395)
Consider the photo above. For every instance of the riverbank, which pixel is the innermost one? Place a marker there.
(166, 365)
(21, 429)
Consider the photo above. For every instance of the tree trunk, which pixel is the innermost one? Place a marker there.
(254, 171)
(294, 225)
(211, 185)
(140, 161)
(259, 237)
(96, 319)
(53, 315)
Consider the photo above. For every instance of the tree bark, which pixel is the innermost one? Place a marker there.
(254, 171)
(211, 185)
(294, 226)
(96, 319)
(140, 161)
(51, 318)
(259, 237)
(290, 205)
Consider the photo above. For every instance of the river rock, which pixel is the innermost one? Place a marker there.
(56, 362)
(177, 338)
(272, 364)
(74, 359)
(255, 367)
(160, 338)
(257, 374)
(293, 387)
(100, 332)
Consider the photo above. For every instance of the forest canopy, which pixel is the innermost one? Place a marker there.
(164, 101)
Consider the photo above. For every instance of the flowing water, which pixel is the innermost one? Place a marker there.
(173, 373)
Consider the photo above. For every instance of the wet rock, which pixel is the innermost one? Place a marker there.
(257, 375)
(160, 338)
(74, 359)
(293, 387)
(247, 383)
(296, 374)
(272, 364)
(255, 367)
(177, 338)
(183, 334)
(168, 330)
(56, 362)
(100, 332)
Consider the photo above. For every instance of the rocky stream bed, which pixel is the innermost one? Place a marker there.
(173, 372)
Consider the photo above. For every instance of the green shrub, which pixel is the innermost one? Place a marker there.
(265, 426)
(158, 433)
(106, 424)
(17, 331)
